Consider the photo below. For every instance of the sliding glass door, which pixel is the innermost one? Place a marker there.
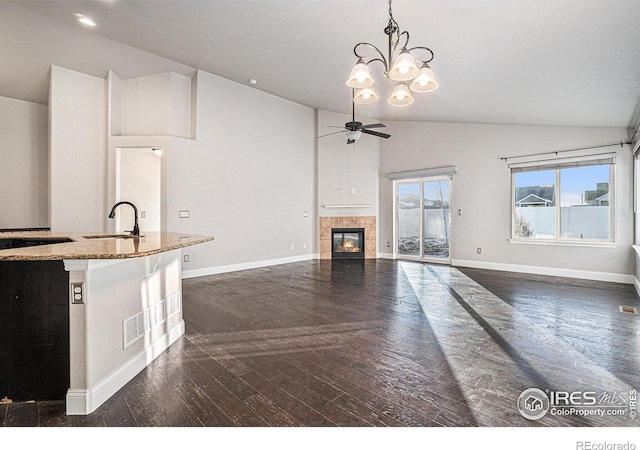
(408, 221)
(423, 219)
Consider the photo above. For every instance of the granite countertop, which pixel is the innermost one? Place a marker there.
(95, 245)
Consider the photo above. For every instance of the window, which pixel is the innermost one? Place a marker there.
(572, 201)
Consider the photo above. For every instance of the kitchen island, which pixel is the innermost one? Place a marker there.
(83, 313)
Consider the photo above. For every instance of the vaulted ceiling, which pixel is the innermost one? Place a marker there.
(532, 62)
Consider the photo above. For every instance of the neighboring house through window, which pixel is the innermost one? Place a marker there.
(569, 200)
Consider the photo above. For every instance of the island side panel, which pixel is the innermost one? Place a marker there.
(132, 312)
(34, 330)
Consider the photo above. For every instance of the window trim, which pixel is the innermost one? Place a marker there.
(558, 165)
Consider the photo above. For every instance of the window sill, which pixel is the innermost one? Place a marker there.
(592, 244)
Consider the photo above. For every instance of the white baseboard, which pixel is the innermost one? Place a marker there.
(245, 266)
(636, 284)
(550, 271)
(86, 401)
(385, 255)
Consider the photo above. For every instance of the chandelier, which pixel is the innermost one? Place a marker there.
(400, 66)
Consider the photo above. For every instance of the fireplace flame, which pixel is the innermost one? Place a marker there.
(349, 246)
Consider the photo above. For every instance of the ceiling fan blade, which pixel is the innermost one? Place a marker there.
(335, 132)
(375, 133)
(374, 125)
(334, 126)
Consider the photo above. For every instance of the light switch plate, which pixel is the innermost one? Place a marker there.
(183, 214)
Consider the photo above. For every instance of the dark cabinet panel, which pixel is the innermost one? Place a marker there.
(34, 330)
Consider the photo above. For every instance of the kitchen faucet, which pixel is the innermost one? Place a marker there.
(136, 228)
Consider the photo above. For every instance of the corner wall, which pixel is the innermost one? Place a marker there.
(24, 158)
(78, 157)
(481, 189)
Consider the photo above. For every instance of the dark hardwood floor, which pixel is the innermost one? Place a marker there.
(374, 344)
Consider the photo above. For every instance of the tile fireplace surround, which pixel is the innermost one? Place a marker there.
(366, 222)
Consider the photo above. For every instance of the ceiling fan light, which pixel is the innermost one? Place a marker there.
(354, 135)
(404, 67)
(401, 95)
(366, 95)
(425, 81)
(360, 76)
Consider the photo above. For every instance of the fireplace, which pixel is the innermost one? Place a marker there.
(327, 224)
(347, 243)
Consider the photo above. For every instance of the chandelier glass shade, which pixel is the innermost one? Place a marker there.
(401, 95)
(399, 65)
(425, 81)
(364, 96)
(360, 76)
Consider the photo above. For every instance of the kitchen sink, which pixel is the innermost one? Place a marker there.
(30, 242)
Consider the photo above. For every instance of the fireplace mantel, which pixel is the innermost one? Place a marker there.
(353, 205)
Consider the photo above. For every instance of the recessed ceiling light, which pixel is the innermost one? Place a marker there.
(85, 20)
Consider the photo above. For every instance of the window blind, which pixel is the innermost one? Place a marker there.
(423, 173)
(562, 163)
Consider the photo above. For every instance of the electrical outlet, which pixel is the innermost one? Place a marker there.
(305, 214)
(77, 291)
(304, 245)
(293, 246)
(341, 191)
(353, 190)
(143, 214)
(459, 212)
(479, 251)
(185, 258)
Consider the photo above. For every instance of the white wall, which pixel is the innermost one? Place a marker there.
(247, 179)
(157, 105)
(347, 168)
(78, 157)
(481, 189)
(23, 158)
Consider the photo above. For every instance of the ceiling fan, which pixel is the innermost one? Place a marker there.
(354, 129)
